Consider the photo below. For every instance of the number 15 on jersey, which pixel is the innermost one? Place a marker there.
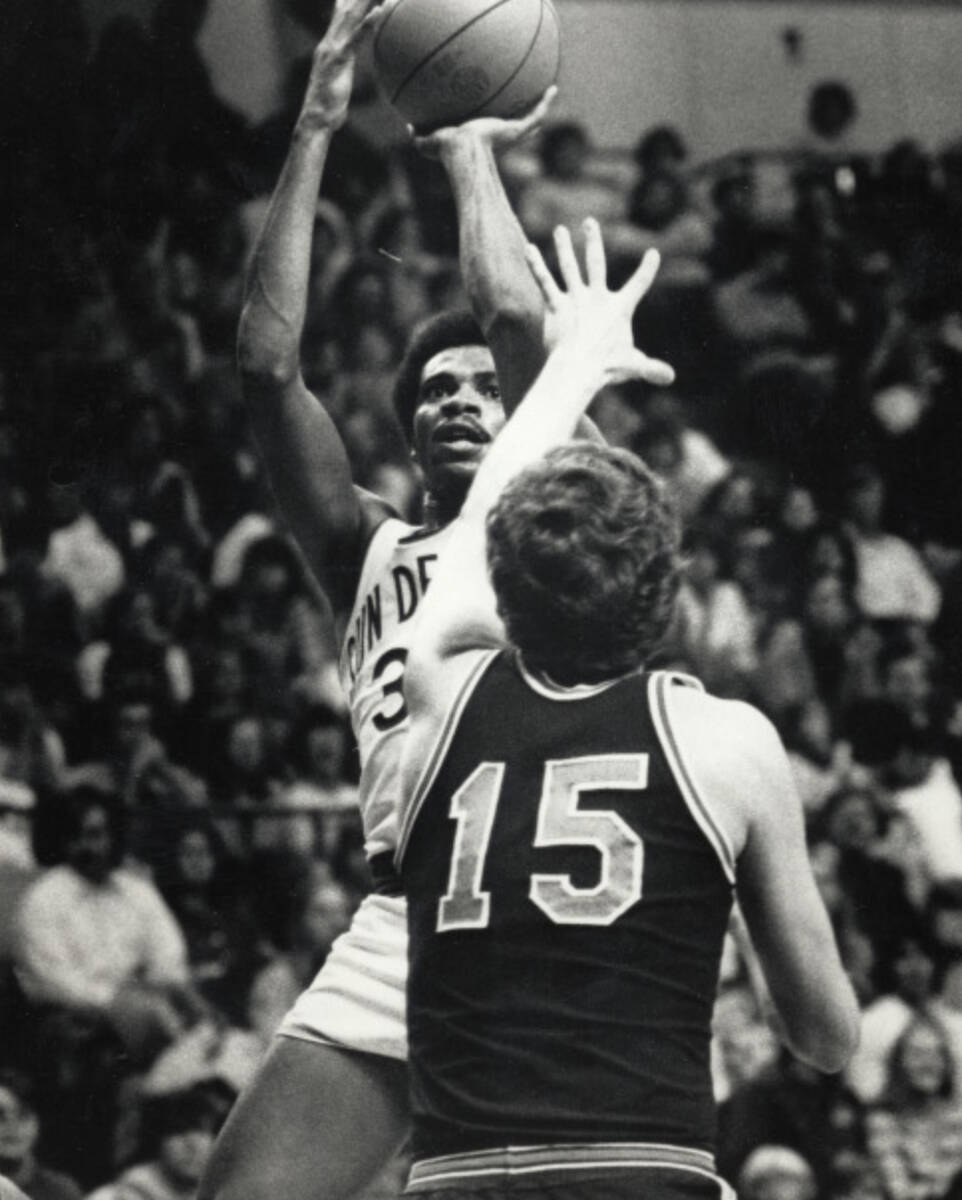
(560, 822)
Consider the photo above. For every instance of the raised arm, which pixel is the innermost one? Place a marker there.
(592, 346)
(503, 294)
(308, 465)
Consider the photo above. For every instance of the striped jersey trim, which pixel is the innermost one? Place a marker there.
(658, 686)
(506, 1162)
(436, 757)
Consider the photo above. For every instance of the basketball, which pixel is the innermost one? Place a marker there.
(441, 62)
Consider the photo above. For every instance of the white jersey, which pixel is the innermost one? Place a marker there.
(396, 571)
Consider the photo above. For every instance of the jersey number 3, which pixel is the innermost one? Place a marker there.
(560, 823)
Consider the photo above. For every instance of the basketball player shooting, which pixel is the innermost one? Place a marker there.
(575, 828)
(329, 1104)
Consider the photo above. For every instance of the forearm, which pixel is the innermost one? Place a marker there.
(278, 280)
(459, 608)
(547, 418)
(503, 295)
(275, 304)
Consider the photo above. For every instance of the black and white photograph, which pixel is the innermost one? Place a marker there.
(481, 600)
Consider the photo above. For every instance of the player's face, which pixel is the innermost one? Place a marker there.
(458, 415)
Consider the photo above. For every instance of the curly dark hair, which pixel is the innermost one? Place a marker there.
(453, 327)
(584, 556)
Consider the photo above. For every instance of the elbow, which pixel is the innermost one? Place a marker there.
(830, 1046)
(267, 356)
(513, 317)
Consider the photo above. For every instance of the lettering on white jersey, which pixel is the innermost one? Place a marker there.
(409, 585)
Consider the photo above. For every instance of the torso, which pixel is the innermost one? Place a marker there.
(568, 895)
(395, 574)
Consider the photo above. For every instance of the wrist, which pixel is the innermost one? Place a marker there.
(462, 148)
(572, 379)
(315, 126)
(578, 369)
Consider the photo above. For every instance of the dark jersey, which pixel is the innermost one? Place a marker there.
(568, 895)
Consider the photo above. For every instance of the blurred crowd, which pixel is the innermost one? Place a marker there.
(170, 718)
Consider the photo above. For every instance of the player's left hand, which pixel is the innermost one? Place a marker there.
(497, 132)
(332, 66)
(589, 321)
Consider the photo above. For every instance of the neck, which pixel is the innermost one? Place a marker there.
(440, 509)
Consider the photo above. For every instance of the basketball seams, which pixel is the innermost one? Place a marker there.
(518, 69)
(433, 53)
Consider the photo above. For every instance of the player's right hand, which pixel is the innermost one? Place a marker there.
(497, 132)
(587, 320)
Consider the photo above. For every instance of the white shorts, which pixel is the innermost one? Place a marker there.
(357, 999)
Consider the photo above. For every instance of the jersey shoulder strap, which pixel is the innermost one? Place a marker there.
(471, 667)
(672, 738)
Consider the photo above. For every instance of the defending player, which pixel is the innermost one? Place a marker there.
(575, 828)
(329, 1105)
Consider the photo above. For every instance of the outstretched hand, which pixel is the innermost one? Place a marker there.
(496, 132)
(588, 320)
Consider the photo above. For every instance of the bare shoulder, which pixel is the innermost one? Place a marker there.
(721, 720)
(733, 752)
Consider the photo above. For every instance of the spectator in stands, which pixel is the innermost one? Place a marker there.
(812, 1116)
(178, 1134)
(944, 915)
(33, 758)
(567, 191)
(325, 915)
(914, 1132)
(893, 581)
(905, 672)
(97, 942)
(714, 627)
(80, 554)
(660, 209)
(734, 233)
(319, 794)
(805, 655)
(288, 641)
(855, 821)
(734, 503)
(135, 648)
(905, 991)
(854, 946)
(223, 693)
(160, 494)
(178, 591)
(773, 1172)
(820, 763)
(925, 792)
(827, 550)
(201, 884)
(19, 1136)
(131, 759)
(244, 773)
(660, 148)
(832, 110)
(688, 460)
